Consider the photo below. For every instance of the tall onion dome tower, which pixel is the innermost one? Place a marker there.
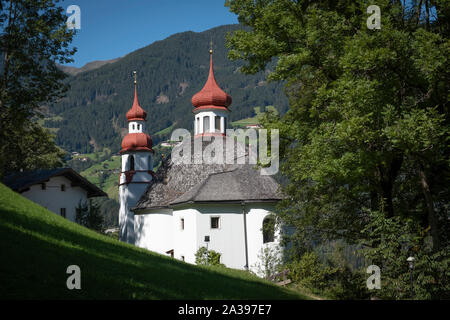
(137, 167)
(211, 107)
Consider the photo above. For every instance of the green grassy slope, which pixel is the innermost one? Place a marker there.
(253, 120)
(37, 246)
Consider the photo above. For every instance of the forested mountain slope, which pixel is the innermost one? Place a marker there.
(170, 72)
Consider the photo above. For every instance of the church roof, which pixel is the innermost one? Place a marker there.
(21, 181)
(137, 142)
(211, 96)
(244, 183)
(136, 113)
(177, 183)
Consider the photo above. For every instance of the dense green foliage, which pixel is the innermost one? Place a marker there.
(89, 216)
(33, 38)
(387, 246)
(368, 123)
(206, 257)
(169, 73)
(333, 279)
(39, 245)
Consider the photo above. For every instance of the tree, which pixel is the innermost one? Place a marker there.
(33, 39)
(89, 215)
(367, 126)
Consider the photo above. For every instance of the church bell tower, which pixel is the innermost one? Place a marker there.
(137, 167)
(211, 107)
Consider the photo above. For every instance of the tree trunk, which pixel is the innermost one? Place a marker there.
(387, 178)
(432, 218)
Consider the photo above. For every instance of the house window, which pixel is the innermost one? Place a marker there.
(217, 124)
(43, 186)
(182, 258)
(62, 211)
(205, 124)
(214, 222)
(131, 163)
(268, 229)
(63, 187)
(182, 224)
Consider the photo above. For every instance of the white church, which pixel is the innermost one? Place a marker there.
(185, 206)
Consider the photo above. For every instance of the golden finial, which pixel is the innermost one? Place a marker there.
(211, 47)
(135, 77)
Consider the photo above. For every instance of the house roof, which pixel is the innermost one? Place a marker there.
(21, 181)
(177, 183)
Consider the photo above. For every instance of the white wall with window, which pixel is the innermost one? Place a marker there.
(136, 126)
(210, 122)
(57, 195)
(137, 161)
(224, 224)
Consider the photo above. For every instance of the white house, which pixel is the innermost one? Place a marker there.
(185, 206)
(59, 190)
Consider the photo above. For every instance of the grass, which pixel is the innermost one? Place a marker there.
(93, 174)
(95, 156)
(253, 120)
(37, 246)
(164, 131)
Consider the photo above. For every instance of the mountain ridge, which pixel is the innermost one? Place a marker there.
(170, 71)
(87, 67)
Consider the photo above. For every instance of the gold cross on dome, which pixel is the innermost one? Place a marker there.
(135, 77)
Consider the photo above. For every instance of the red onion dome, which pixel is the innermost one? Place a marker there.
(211, 95)
(136, 112)
(137, 142)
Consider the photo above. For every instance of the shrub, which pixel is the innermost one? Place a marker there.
(206, 257)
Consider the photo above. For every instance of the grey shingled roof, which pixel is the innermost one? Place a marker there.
(244, 183)
(21, 181)
(176, 183)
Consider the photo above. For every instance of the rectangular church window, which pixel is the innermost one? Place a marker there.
(214, 222)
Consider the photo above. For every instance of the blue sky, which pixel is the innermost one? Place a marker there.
(113, 28)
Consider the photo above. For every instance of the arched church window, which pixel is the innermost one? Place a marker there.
(133, 126)
(217, 124)
(198, 125)
(268, 229)
(139, 127)
(131, 163)
(206, 124)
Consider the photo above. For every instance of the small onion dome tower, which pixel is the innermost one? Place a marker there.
(137, 167)
(211, 107)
